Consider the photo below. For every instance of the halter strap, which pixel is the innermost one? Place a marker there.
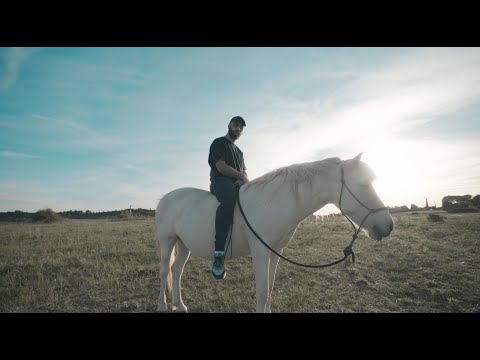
(274, 251)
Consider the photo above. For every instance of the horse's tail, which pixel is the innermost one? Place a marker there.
(170, 263)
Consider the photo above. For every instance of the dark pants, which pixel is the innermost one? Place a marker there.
(225, 191)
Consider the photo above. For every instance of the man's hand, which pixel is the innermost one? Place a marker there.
(242, 181)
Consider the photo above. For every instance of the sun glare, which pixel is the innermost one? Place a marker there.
(406, 172)
(410, 171)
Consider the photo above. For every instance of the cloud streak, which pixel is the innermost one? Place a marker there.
(77, 134)
(17, 155)
(13, 59)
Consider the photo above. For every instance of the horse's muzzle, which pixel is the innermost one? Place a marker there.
(379, 232)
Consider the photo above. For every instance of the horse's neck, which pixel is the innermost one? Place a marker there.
(312, 195)
(293, 203)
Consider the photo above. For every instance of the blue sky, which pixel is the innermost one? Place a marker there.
(104, 128)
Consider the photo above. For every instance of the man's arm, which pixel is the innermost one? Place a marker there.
(227, 170)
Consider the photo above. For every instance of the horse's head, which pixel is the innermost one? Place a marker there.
(360, 202)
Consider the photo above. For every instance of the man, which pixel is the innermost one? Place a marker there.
(227, 172)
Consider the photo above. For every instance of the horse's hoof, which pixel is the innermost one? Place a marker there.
(181, 310)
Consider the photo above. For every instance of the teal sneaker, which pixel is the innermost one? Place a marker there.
(218, 269)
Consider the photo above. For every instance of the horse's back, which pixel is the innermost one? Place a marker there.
(183, 199)
(188, 213)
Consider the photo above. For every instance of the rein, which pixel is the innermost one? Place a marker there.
(346, 252)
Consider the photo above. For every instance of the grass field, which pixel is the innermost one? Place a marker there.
(111, 266)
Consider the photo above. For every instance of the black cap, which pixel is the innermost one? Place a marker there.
(238, 119)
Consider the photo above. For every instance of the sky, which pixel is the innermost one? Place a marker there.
(107, 128)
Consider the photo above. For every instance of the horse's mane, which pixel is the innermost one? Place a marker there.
(295, 173)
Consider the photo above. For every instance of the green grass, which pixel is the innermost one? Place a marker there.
(112, 266)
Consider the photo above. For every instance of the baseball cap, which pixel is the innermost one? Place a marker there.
(238, 119)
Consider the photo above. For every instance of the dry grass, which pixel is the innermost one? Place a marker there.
(111, 266)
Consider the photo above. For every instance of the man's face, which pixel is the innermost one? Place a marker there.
(235, 129)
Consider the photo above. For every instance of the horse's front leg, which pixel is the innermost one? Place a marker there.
(261, 264)
(272, 271)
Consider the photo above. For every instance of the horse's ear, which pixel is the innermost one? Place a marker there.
(357, 158)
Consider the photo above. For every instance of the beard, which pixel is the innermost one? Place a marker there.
(233, 135)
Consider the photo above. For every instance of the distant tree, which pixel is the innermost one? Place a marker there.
(125, 215)
(46, 216)
(476, 200)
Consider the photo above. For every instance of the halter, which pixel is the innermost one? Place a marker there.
(348, 250)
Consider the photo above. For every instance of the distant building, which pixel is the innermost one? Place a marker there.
(463, 203)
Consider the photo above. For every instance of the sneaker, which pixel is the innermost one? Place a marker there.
(218, 269)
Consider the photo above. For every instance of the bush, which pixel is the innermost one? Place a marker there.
(436, 218)
(46, 216)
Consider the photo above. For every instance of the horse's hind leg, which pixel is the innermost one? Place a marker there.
(177, 270)
(166, 248)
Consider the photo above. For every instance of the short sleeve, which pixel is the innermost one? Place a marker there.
(217, 152)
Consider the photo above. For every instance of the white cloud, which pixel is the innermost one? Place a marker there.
(31, 196)
(371, 110)
(373, 114)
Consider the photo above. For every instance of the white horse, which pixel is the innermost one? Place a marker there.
(274, 205)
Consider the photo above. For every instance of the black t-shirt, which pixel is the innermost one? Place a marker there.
(223, 149)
